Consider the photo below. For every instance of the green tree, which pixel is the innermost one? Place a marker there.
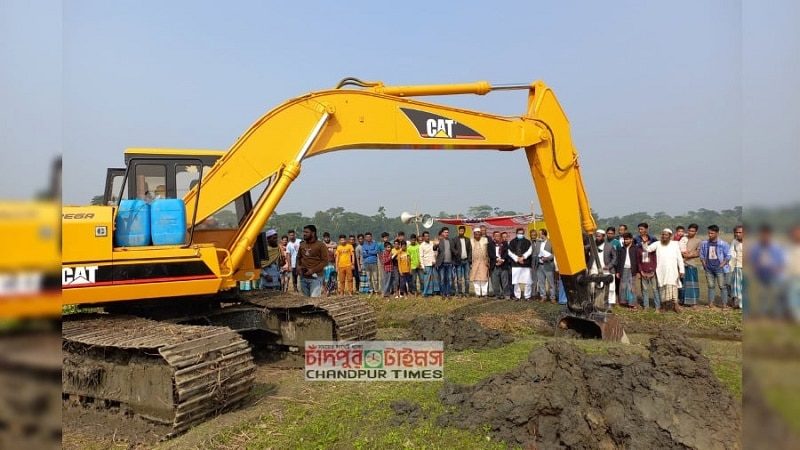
(480, 211)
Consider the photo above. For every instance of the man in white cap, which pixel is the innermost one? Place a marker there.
(270, 266)
(479, 269)
(670, 268)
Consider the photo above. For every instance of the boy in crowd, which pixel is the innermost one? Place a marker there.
(416, 266)
(387, 258)
(403, 268)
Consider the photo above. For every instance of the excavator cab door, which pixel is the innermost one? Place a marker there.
(114, 179)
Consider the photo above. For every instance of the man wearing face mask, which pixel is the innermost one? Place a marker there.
(519, 250)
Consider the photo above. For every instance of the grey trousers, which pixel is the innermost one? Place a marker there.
(547, 283)
(500, 282)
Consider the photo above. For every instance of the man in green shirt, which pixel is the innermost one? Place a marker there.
(416, 265)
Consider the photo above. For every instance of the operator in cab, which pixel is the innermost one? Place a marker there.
(311, 260)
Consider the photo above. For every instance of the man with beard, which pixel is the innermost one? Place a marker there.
(519, 250)
(608, 259)
(311, 261)
(670, 268)
(271, 266)
(479, 270)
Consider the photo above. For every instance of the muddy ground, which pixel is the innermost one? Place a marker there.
(564, 398)
(458, 332)
(644, 382)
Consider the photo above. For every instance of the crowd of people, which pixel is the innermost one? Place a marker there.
(520, 267)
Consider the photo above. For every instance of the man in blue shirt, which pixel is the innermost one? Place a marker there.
(369, 254)
(715, 255)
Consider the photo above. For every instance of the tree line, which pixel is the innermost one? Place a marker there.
(338, 221)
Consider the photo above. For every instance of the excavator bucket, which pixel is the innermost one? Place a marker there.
(593, 320)
(597, 325)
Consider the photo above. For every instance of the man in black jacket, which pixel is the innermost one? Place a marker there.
(520, 249)
(461, 267)
(448, 253)
(498, 264)
(627, 266)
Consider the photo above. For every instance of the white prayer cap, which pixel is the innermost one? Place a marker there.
(476, 230)
(601, 231)
(666, 230)
(271, 232)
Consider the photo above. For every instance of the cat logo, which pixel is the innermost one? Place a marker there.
(434, 126)
(440, 128)
(71, 276)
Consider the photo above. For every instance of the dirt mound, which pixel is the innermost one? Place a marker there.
(406, 412)
(457, 332)
(563, 398)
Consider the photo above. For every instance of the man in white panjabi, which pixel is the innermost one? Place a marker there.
(519, 250)
(670, 269)
(479, 269)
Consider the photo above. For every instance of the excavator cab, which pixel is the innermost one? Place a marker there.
(172, 173)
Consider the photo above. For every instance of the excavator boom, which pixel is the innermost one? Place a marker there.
(378, 117)
(172, 309)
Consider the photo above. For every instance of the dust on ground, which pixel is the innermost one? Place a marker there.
(457, 332)
(564, 398)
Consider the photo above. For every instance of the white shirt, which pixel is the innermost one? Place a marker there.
(426, 256)
(669, 265)
(627, 264)
(463, 248)
(737, 254)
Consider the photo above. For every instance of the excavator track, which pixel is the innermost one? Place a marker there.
(176, 375)
(353, 318)
(30, 376)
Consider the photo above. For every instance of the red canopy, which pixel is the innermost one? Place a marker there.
(492, 222)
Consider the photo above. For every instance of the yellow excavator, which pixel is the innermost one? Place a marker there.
(165, 344)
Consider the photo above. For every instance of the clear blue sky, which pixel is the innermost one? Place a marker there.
(674, 105)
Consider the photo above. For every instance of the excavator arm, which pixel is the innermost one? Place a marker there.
(375, 116)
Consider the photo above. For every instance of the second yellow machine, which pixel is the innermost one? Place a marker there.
(166, 345)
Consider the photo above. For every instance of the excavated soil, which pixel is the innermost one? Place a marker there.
(563, 398)
(458, 332)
